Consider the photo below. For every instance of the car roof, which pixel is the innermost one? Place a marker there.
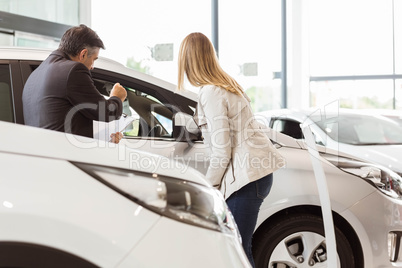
(40, 54)
(38, 142)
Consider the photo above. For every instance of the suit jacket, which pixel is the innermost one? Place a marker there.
(241, 151)
(60, 95)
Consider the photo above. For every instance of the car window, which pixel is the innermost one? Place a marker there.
(164, 121)
(292, 128)
(362, 130)
(152, 117)
(151, 106)
(6, 106)
(288, 127)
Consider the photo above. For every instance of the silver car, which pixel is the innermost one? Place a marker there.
(365, 197)
(368, 135)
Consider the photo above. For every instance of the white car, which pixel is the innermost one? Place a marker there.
(364, 134)
(365, 198)
(63, 205)
(395, 115)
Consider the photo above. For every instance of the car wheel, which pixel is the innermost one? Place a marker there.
(298, 241)
(19, 254)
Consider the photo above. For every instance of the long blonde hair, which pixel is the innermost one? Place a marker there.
(198, 60)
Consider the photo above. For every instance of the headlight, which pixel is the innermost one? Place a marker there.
(177, 199)
(384, 179)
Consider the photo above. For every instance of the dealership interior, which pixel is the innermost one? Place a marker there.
(324, 82)
(306, 53)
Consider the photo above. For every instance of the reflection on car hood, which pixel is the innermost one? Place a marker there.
(34, 141)
(389, 156)
(386, 155)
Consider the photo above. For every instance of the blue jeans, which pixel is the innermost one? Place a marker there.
(245, 205)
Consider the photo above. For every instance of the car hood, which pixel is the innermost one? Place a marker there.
(20, 139)
(387, 155)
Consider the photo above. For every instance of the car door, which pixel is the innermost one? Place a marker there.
(153, 108)
(151, 105)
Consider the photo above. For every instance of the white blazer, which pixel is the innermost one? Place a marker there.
(241, 152)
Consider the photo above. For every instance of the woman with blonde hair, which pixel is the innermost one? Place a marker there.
(242, 157)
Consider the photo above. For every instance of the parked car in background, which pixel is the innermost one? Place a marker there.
(365, 197)
(66, 206)
(395, 115)
(364, 134)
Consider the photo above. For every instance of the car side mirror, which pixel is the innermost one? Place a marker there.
(185, 128)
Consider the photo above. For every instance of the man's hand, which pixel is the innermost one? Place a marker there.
(116, 137)
(118, 91)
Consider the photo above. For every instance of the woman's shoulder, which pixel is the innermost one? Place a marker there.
(212, 94)
(209, 90)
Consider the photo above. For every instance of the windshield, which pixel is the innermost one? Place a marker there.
(362, 129)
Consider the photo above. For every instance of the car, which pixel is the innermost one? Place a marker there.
(368, 135)
(65, 206)
(366, 198)
(395, 115)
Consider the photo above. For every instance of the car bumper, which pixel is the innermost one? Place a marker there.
(168, 244)
(377, 216)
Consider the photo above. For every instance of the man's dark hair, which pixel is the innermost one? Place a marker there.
(77, 38)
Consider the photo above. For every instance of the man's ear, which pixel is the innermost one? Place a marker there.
(83, 54)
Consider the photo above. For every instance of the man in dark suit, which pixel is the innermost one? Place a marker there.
(60, 94)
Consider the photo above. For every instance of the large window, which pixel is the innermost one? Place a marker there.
(6, 39)
(133, 31)
(354, 52)
(350, 37)
(356, 94)
(249, 39)
(398, 94)
(34, 40)
(39, 23)
(346, 51)
(250, 48)
(60, 11)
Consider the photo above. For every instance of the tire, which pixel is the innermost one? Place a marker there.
(298, 241)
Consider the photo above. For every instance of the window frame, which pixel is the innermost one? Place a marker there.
(13, 110)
